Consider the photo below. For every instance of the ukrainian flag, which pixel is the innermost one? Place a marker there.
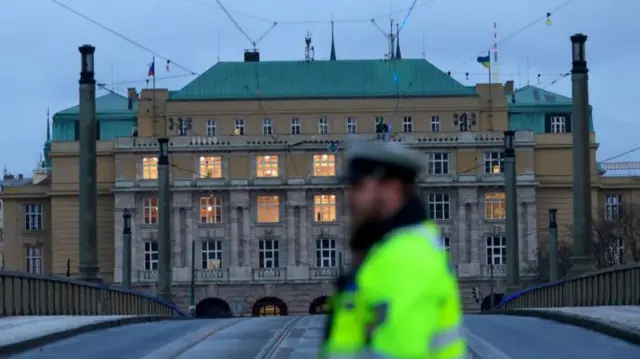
(485, 61)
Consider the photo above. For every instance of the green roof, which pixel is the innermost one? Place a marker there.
(109, 106)
(321, 79)
(534, 96)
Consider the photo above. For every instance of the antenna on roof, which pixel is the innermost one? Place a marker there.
(249, 55)
(309, 51)
(391, 38)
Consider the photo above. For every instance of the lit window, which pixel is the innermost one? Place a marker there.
(267, 166)
(324, 208)
(210, 210)
(211, 254)
(268, 253)
(493, 163)
(33, 257)
(324, 165)
(33, 217)
(211, 167)
(151, 256)
(494, 205)
(150, 210)
(150, 168)
(496, 250)
(268, 209)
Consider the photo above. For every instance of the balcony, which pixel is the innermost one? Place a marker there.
(319, 273)
(499, 270)
(269, 274)
(212, 275)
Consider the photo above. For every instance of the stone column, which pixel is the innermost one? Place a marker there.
(463, 239)
(477, 241)
(304, 237)
(234, 251)
(246, 236)
(291, 236)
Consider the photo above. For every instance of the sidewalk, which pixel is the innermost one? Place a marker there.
(622, 322)
(22, 333)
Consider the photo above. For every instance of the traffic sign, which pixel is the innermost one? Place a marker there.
(333, 148)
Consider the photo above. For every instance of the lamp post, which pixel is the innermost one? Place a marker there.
(88, 264)
(511, 199)
(553, 245)
(582, 259)
(126, 248)
(164, 222)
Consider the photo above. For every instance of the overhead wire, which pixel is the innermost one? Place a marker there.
(123, 37)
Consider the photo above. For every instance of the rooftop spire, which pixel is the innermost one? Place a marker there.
(398, 55)
(332, 57)
(48, 126)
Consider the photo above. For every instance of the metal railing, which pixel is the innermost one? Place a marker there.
(618, 285)
(31, 294)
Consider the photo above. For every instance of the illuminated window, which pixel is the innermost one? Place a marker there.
(150, 168)
(268, 209)
(494, 205)
(151, 255)
(493, 163)
(210, 210)
(211, 167)
(211, 254)
(324, 165)
(150, 210)
(324, 208)
(267, 166)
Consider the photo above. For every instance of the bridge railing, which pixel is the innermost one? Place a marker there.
(31, 294)
(618, 285)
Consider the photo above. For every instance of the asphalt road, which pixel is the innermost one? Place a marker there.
(490, 337)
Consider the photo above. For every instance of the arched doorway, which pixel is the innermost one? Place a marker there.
(213, 308)
(319, 305)
(269, 307)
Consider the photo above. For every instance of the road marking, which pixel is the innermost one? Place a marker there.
(482, 348)
(178, 347)
(269, 350)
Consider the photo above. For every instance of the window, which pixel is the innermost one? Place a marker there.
(210, 210)
(267, 166)
(33, 217)
(150, 255)
(325, 253)
(438, 163)
(33, 257)
(268, 209)
(352, 125)
(439, 206)
(407, 124)
(494, 206)
(324, 207)
(435, 124)
(150, 210)
(267, 126)
(295, 126)
(211, 128)
(268, 256)
(446, 244)
(496, 250)
(211, 167)
(150, 168)
(211, 254)
(324, 165)
(612, 207)
(323, 126)
(493, 163)
(238, 127)
(558, 124)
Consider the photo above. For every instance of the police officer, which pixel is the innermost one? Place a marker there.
(401, 301)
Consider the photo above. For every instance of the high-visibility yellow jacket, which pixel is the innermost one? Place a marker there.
(403, 302)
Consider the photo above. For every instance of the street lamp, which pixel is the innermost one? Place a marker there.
(578, 52)
(86, 65)
(163, 151)
(508, 143)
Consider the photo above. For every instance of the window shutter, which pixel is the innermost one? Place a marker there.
(547, 123)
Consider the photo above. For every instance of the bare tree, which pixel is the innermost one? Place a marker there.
(616, 239)
(538, 270)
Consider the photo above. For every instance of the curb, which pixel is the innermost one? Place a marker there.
(612, 330)
(33, 343)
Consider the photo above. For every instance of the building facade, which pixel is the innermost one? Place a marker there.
(256, 150)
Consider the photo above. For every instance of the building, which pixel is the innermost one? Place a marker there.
(256, 149)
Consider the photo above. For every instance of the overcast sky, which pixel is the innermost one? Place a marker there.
(40, 60)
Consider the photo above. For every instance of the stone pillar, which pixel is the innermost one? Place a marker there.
(476, 239)
(463, 239)
(291, 236)
(234, 250)
(304, 237)
(246, 236)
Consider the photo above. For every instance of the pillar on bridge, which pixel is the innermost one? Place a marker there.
(511, 199)
(88, 264)
(126, 249)
(553, 245)
(164, 222)
(582, 259)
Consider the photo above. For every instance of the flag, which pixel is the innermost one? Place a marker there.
(485, 61)
(152, 68)
(168, 63)
(549, 23)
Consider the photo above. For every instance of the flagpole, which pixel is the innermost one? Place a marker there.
(155, 120)
(490, 94)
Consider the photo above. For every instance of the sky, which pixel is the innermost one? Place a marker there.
(40, 62)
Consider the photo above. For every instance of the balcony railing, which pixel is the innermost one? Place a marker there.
(212, 275)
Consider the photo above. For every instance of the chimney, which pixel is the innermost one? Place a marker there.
(508, 87)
